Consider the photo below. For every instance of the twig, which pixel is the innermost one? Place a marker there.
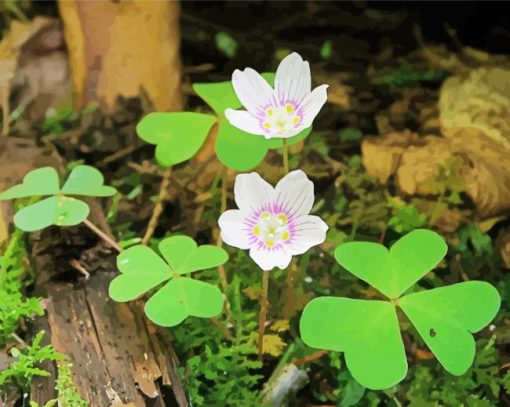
(158, 209)
(77, 265)
(19, 340)
(102, 235)
(310, 358)
(263, 312)
(223, 329)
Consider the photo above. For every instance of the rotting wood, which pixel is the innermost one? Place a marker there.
(117, 357)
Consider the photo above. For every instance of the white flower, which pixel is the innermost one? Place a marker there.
(273, 223)
(280, 112)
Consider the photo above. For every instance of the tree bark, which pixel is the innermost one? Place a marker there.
(124, 48)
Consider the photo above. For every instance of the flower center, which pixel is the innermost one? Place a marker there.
(281, 119)
(272, 229)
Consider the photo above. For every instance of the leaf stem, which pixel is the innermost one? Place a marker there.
(102, 235)
(158, 209)
(263, 312)
(285, 153)
(221, 269)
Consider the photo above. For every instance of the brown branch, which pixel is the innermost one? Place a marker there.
(102, 235)
(310, 358)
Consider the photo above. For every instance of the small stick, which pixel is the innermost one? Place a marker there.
(102, 235)
(77, 265)
(311, 358)
(263, 312)
(19, 340)
(158, 209)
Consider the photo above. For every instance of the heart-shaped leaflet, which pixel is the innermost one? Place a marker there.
(142, 270)
(39, 182)
(393, 271)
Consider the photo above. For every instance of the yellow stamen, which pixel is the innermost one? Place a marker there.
(256, 230)
(282, 218)
(289, 108)
(269, 112)
(285, 235)
(295, 120)
(265, 215)
(269, 243)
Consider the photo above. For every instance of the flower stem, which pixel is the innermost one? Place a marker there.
(102, 235)
(158, 209)
(263, 312)
(219, 243)
(289, 307)
(285, 153)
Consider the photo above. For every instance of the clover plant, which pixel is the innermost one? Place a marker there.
(367, 331)
(142, 269)
(60, 208)
(179, 135)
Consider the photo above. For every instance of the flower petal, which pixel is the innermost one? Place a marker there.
(233, 229)
(309, 231)
(293, 81)
(252, 89)
(294, 193)
(252, 192)
(244, 121)
(269, 259)
(313, 103)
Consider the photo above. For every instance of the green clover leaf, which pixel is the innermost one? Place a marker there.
(88, 181)
(446, 318)
(183, 297)
(393, 271)
(39, 182)
(235, 148)
(368, 331)
(177, 136)
(59, 209)
(56, 210)
(142, 269)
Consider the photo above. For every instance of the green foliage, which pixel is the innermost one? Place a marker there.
(67, 394)
(14, 307)
(405, 217)
(406, 76)
(350, 134)
(476, 249)
(479, 387)
(59, 209)
(326, 50)
(224, 377)
(24, 368)
(142, 270)
(242, 151)
(445, 317)
(177, 136)
(226, 44)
